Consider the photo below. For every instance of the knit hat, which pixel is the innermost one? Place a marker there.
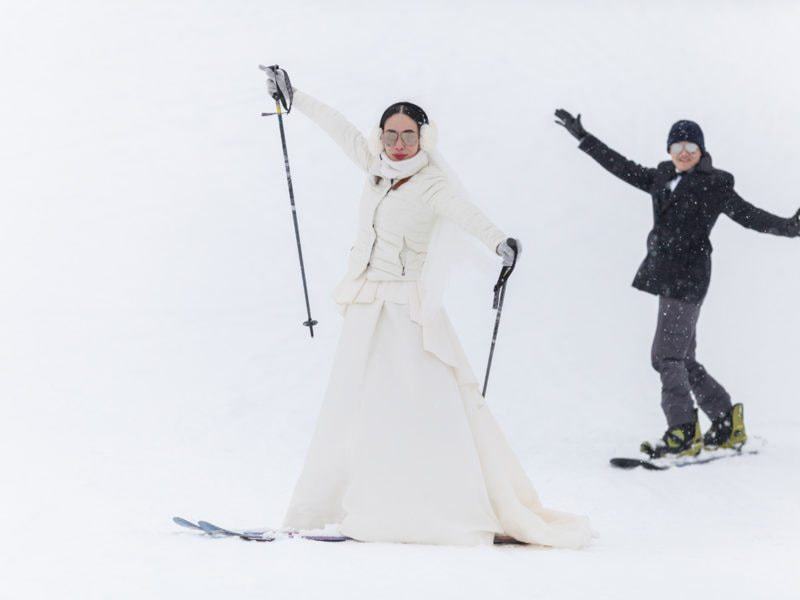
(686, 131)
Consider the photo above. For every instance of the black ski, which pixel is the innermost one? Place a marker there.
(754, 445)
(632, 463)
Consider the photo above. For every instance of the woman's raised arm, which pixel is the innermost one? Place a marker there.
(344, 133)
(612, 161)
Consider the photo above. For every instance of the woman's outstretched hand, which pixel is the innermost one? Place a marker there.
(571, 124)
(796, 223)
(278, 85)
(509, 250)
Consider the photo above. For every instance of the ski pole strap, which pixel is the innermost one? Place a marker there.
(498, 287)
(279, 99)
(505, 273)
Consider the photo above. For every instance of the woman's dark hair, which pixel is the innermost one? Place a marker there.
(407, 108)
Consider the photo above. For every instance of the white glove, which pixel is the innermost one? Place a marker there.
(272, 87)
(510, 249)
(278, 84)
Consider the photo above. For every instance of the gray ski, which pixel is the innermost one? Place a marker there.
(267, 535)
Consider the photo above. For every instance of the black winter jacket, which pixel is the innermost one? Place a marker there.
(678, 262)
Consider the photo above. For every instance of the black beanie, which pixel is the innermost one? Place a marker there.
(686, 131)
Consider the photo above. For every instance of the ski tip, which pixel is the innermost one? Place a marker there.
(184, 523)
(632, 463)
(208, 527)
(625, 463)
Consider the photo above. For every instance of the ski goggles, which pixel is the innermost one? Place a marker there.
(679, 147)
(409, 138)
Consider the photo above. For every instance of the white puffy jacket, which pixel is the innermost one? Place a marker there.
(395, 226)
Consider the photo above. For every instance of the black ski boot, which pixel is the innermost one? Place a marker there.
(727, 431)
(682, 440)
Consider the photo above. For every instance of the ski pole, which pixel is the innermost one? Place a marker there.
(279, 112)
(499, 297)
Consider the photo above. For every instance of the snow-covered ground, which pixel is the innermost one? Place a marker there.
(152, 360)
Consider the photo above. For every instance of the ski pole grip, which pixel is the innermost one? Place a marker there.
(277, 96)
(505, 272)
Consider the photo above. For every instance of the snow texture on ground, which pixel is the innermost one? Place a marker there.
(152, 360)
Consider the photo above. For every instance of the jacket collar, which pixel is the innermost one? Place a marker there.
(668, 172)
(706, 165)
(667, 168)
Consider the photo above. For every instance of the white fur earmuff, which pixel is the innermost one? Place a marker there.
(428, 136)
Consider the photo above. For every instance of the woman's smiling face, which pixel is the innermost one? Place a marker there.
(685, 155)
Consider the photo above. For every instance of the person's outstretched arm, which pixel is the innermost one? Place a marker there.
(447, 203)
(334, 124)
(757, 219)
(616, 164)
(344, 133)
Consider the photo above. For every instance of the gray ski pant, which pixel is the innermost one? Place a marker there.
(673, 356)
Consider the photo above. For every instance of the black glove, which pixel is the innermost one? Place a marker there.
(571, 124)
(796, 224)
(278, 85)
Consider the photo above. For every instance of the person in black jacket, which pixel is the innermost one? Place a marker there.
(688, 195)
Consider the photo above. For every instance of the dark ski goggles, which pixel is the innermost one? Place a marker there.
(409, 138)
(679, 147)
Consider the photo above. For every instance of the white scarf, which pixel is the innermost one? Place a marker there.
(399, 169)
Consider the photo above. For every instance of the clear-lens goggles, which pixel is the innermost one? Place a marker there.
(679, 147)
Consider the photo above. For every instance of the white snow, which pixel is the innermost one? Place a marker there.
(152, 361)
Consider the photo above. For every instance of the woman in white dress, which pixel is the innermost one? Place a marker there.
(405, 449)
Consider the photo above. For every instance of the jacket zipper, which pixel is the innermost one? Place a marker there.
(372, 247)
(403, 262)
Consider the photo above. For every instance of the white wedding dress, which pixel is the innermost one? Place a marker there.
(405, 448)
